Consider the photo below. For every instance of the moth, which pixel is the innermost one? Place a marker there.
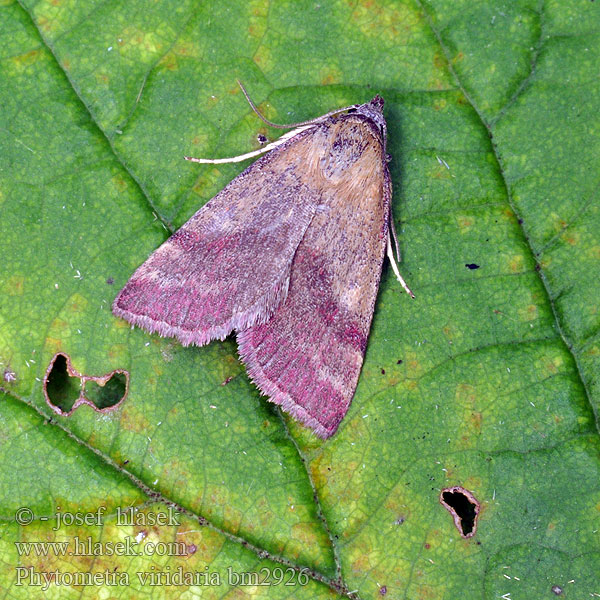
(289, 256)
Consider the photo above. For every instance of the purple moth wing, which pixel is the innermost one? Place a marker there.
(308, 356)
(228, 267)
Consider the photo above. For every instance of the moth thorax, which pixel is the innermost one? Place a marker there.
(345, 148)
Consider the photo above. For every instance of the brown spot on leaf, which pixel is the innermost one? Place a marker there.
(465, 222)
(463, 507)
(14, 286)
(119, 182)
(440, 104)
(476, 419)
(65, 389)
(439, 61)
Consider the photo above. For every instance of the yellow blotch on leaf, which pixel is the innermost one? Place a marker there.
(257, 21)
(119, 182)
(134, 419)
(305, 533)
(362, 564)
(529, 313)
(53, 345)
(545, 262)
(263, 58)
(440, 172)
(121, 324)
(428, 592)
(592, 251)
(77, 303)
(440, 104)
(452, 333)
(232, 518)
(47, 25)
(169, 62)
(393, 22)
(571, 237)
(209, 545)
(102, 78)
(157, 368)
(553, 364)
(413, 366)
(23, 61)
(470, 429)
(14, 285)
(59, 330)
(200, 139)
(330, 75)
(509, 214)
(465, 222)
(139, 43)
(516, 263)
(465, 394)
(558, 223)
(117, 353)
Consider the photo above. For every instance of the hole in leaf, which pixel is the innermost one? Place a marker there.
(463, 507)
(66, 389)
(62, 387)
(108, 394)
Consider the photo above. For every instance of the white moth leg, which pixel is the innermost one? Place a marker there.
(216, 161)
(395, 236)
(390, 253)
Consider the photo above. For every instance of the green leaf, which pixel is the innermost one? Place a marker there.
(488, 380)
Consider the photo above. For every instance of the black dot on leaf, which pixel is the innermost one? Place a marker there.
(472, 266)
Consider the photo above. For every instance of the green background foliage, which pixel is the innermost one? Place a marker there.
(494, 129)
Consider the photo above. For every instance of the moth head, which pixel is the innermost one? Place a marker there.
(374, 111)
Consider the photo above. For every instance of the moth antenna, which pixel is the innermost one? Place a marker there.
(301, 123)
(217, 161)
(390, 254)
